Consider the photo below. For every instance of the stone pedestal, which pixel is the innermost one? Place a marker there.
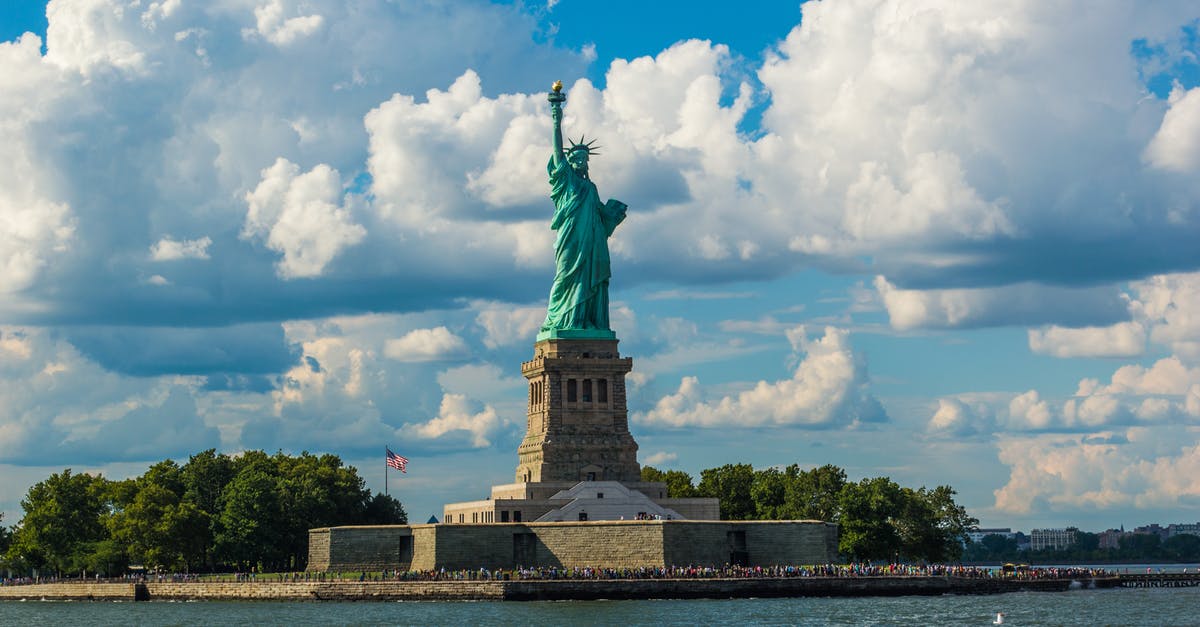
(577, 443)
(578, 422)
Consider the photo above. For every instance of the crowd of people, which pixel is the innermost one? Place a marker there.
(745, 572)
(539, 573)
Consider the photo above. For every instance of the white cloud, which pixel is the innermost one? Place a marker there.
(436, 344)
(456, 416)
(1162, 394)
(1176, 145)
(88, 35)
(1025, 303)
(299, 215)
(270, 22)
(828, 389)
(484, 382)
(1165, 376)
(1029, 411)
(916, 139)
(93, 422)
(1108, 470)
(36, 224)
(167, 249)
(660, 458)
(507, 325)
(159, 11)
(1124, 339)
(956, 418)
(1169, 305)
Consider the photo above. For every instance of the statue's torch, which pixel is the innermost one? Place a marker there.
(556, 96)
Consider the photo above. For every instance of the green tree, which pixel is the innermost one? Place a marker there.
(108, 557)
(679, 483)
(320, 492)
(991, 548)
(205, 476)
(815, 494)
(865, 523)
(952, 521)
(62, 522)
(250, 521)
(384, 510)
(1141, 546)
(1086, 543)
(161, 529)
(731, 484)
(1183, 547)
(5, 537)
(769, 490)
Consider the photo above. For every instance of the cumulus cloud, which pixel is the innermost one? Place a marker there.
(436, 344)
(660, 458)
(299, 215)
(483, 381)
(904, 122)
(917, 139)
(343, 393)
(1111, 469)
(271, 21)
(1176, 145)
(93, 423)
(1167, 392)
(506, 325)
(167, 249)
(956, 418)
(1165, 376)
(1124, 339)
(828, 389)
(1168, 305)
(1021, 304)
(456, 418)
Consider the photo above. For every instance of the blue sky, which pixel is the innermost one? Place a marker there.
(945, 242)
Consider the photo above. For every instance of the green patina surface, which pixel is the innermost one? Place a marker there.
(578, 303)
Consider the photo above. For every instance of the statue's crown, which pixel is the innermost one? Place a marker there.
(584, 145)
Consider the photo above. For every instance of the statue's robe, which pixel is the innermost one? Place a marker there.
(579, 295)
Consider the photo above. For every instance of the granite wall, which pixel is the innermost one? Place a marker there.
(616, 544)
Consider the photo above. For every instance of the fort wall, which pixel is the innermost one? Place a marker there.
(609, 544)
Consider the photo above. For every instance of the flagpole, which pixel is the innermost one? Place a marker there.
(385, 471)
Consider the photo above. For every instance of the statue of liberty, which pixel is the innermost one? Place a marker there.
(578, 306)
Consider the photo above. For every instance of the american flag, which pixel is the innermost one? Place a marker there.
(399, 462)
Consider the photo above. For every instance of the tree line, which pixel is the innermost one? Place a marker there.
(877, 518)
(1132, 548)
(214, 513)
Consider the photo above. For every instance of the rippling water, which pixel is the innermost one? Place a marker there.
(1161, 606)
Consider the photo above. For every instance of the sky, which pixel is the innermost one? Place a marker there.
(945, 242)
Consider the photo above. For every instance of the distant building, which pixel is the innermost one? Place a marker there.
(1153, 529)
(981, 533)
(1056, 539)
(1179, 529)
(1111, 538)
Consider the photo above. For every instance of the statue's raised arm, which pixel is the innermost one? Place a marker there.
(557, 98)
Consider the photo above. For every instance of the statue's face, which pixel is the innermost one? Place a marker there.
(579, 161)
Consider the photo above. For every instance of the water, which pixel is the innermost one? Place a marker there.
(1143, 606)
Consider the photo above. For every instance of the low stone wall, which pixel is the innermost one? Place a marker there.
(609, 544)
(531, 590)
(71, 591)
(330, 591)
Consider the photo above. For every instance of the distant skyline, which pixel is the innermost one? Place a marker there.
(945, 242)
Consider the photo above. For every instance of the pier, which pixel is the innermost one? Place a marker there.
(545, 590)
(1160, 580)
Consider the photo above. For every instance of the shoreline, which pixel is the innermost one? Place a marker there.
(545, 590)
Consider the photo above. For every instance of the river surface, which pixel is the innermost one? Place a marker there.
(1143, 606)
